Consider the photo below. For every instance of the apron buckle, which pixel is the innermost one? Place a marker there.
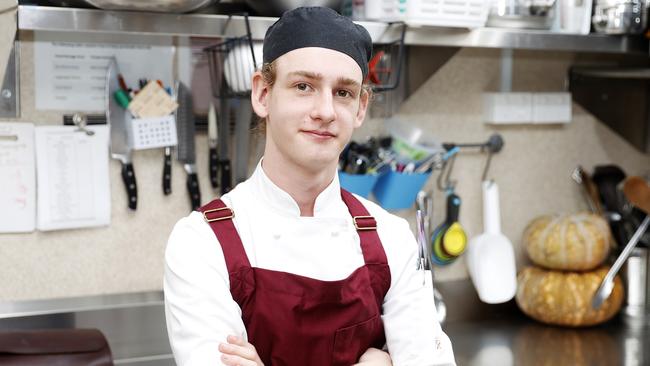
(218, 217)
(364, 223)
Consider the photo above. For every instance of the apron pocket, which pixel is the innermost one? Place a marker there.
(352, 341)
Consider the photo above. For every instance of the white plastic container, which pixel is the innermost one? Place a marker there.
(442, 13)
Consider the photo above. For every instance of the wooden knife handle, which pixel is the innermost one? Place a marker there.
(214, 168)
(193, 189)
(167, 174)
(128, 177)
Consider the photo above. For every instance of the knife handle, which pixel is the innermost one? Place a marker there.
(167, 174)
(128, 176)
(214, 167)
(225, 175)
(193, 189)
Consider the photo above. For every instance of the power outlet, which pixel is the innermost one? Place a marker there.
(552, 108)
(507, 108)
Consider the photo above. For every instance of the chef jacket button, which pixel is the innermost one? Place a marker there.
(335, 234)
(276, 236)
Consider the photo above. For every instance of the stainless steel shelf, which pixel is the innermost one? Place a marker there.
(38, 18)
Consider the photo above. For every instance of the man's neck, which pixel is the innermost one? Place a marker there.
(302, 185)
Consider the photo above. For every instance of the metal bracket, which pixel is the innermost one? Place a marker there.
(10, 91)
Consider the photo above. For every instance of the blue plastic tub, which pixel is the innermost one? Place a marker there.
(398, 191)
(360, 184)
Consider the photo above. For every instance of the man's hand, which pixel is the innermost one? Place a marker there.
(374, 357)
(238, 352)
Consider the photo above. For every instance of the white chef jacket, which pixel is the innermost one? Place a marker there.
(201, 312)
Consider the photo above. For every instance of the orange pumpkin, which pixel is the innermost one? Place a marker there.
(579, 242)
(564, 298)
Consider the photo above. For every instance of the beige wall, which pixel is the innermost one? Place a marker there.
(7, 30)
(533, 172)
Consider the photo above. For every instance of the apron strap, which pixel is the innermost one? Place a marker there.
(219, 217)
(366, 225)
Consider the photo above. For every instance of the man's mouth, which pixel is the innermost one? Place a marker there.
(319, 134)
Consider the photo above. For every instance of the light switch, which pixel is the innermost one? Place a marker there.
(507, 108)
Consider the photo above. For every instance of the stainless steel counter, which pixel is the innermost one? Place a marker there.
(134, 325)
(516, 340)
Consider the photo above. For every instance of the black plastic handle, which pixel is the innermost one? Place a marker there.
(225, 176)
(167, 174)
(193, 189)
(128, 177)
(214, 167)
(453, 208)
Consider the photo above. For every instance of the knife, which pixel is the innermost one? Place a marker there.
(212, 145)
(185, 131)
(167, 159)
(242, 138)
(117, 119)
(167, 171)
(224, 134)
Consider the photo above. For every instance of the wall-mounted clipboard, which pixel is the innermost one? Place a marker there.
(17, 178)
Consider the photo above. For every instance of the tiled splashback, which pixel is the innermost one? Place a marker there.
(533, 172)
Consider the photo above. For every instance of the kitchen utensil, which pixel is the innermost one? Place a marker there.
(410, 142)
(607, 179)
(240, 64)
(161, 6)
(607, 285)
(213, 136)
(274, 8)
(637, 191)
(637, 283)
(228, 80)
(167, 171)
(242, 138)
(224, 133)
(152, 133)
(620, 16)
(589, 189)
(439, 303)
(117, 119)
(448, 239)
(422, 261)
(185, 152)
(490, 256)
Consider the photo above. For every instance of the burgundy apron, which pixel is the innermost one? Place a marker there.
(296, 320)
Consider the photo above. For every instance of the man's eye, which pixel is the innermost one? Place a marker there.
(302, 86)
(343, 93)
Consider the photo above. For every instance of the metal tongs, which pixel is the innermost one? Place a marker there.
(422, 263)
(636, 191)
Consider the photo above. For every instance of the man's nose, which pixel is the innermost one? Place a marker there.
(324, 107)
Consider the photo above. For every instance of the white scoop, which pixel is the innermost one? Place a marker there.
(490, 256)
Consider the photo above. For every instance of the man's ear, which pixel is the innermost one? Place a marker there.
(364, 100)
(259, 94)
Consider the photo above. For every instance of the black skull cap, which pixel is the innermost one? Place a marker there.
(317, 27)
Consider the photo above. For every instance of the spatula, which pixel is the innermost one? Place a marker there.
(490, 256)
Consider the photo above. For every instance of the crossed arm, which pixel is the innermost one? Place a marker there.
(238, 352)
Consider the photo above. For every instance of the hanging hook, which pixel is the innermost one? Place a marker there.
(445, 174)
(487, 165)
(493, 145)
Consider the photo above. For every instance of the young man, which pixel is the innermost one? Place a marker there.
(288, 269)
